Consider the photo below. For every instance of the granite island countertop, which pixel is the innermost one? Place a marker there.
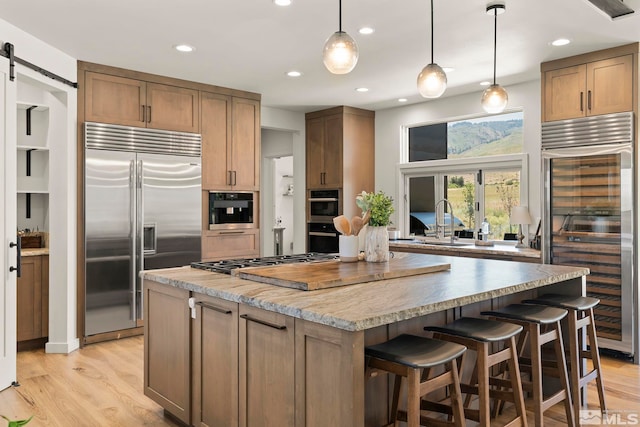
(368, 305)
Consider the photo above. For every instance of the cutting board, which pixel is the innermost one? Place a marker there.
(310, 276)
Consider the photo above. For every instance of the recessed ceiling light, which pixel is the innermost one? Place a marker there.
(560, 42)
(282, 2)
(362, 89)
(366, 30)
(184, 48)
(448, 69)
(402, 99)
(294, 73)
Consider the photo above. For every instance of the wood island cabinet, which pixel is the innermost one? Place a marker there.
(33, 298)
(214, 362)
(131, 102)
(267, 368)
(598, 83)
(340, 152)
(167, 348)
(231, 143)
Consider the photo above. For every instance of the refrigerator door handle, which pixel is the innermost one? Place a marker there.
(133, 183)
(140, 228)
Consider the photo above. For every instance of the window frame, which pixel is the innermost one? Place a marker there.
(451, 167)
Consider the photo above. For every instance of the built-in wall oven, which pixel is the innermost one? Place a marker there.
(323, 206)
(232, 210)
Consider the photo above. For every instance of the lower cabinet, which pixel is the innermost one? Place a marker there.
(212, 362)
(33, 298)
(214, 345)
(267, 370)
(167, 348)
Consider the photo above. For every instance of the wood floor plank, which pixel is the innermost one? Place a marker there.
(101, 385)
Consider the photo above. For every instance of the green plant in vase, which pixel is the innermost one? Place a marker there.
(16, 423)
(378, 207)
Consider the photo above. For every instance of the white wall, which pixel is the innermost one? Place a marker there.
(391, 124)
(293, 123)
(62, 100)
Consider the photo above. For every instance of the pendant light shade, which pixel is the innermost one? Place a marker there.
(340, 54)
(495, 98)
(432, 80)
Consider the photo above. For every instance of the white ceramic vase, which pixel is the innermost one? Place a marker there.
(376, 244)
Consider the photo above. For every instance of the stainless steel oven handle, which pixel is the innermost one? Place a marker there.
(324, 199)
(320, 234)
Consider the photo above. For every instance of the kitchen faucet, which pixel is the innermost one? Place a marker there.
(443, 226)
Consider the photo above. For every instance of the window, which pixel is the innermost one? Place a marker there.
(483, 175)
(479, 137)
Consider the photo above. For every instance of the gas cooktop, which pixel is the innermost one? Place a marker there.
(225, 266)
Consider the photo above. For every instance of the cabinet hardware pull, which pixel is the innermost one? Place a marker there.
(17, 269)
(581, 101)
(589, 100)
(214, 308)
(232, 232)
(262, 322)
(149, 118)
(234, 178)
(229, 179)
(144, 113)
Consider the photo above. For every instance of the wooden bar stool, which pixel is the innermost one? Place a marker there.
(479, 335)
(532, 318)
(580, 316)
(407, 356)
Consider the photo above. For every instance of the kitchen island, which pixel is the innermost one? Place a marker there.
(225, 351)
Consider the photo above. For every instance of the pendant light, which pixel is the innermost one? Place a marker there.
(432, 80)
(495, 98)
(340, 53)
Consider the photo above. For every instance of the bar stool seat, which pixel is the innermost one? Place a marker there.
(406, 356)
(478, 335)
(581, 315)
(533, 318)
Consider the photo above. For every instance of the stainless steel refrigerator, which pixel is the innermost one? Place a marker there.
(142, 211)
(589, 216)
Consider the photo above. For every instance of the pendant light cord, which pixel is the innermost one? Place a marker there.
(432, 31)
(495, 41)
(340, 16)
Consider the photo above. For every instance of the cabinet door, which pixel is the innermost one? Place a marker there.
(167, 354)
(215, 362)
(221, 244)
(610, 86)
(215, 113)
(45, 296)
(564, 93)
(29, 299)
(245, 137)
(172, 108)
(117, 100)
(332, 152)
(266, 355)
(315, 136)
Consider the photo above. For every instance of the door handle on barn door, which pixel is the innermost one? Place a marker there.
(18, 268)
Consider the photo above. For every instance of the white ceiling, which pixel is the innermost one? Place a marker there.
(250, 44)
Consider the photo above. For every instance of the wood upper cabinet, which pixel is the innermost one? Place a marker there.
(167, 348)
(131, 102)
(267, 368)
(215, 362)
(324, 152)
(340, 152)
(230, 143)
(598, 87)
(33, 298)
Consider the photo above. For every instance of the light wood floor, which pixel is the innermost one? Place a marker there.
(101, 385)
